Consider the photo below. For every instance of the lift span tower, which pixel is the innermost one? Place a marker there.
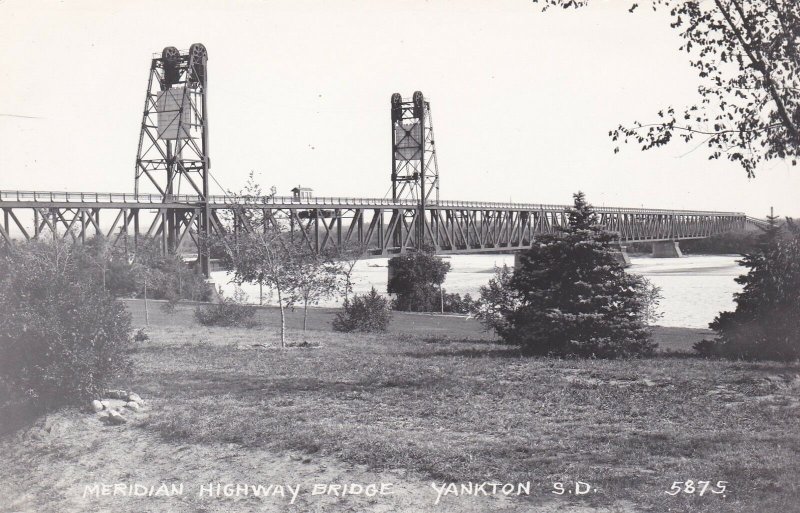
(172, 159)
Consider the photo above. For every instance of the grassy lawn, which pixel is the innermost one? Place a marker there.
(437, 399)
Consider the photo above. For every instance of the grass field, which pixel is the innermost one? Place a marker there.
(435, 399)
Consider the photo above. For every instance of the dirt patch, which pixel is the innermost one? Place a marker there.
(77, 454)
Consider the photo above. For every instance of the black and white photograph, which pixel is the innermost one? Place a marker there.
(419, 256)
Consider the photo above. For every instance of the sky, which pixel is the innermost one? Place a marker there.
(298, 91)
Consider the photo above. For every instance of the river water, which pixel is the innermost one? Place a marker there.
(694, 289)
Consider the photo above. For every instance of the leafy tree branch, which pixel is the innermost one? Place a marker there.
(746, 54)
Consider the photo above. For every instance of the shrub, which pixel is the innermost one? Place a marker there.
(454, 303)
(365, 313)
(707, 348)
(766, 322)
(570, 296)
(497, 302)
(228, 312)
(141, 335)
(63, 339)
(172, 300)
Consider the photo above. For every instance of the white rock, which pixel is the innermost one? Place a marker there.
(114, 417)
(135, 398)
(133, 405)
(116, 394)
(105, 404)
(97, 406)
(116, 404)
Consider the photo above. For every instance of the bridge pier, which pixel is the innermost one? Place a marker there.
(391, 271)
(667, 249)
(621, 256)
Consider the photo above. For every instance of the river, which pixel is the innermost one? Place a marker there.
(694, 288)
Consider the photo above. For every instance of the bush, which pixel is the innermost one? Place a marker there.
(63, 339)
(454, 303)
(766, 322)
(707, 348)
(141, 336)
(570, 296)
(497, 302)
(365, 313)
(172, 300)
(228, 312)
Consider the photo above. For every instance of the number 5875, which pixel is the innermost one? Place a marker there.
(696, 487)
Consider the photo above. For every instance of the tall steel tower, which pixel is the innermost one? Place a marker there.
(415, 173)
(173, 146)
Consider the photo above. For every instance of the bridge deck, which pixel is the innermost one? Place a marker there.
(56, 199)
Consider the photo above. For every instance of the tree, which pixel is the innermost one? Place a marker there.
(416, 278)
(101, 250)
(747, 53)
(318, 277)
(264, 257)
(570, 296)
(497, 302)
(259, 248)
(766, 321)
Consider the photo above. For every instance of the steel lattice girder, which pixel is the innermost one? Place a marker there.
(380, 229)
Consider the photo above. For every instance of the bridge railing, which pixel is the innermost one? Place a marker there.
(332, 201)
(90, 197)
(323, 201)
(761, 223)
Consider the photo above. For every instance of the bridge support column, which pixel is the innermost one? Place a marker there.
(621, 256)
(667, 249)
(391, 271)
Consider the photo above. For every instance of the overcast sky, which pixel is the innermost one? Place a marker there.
(522, 101)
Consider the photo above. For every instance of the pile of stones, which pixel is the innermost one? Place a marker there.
(115, 404)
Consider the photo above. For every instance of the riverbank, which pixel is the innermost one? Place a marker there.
(403, 324)
(694, 289)
(433, 400)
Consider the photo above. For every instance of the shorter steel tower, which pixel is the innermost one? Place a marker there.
(173, 146)
(415, 173)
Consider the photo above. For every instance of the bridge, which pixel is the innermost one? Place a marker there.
(173, 150)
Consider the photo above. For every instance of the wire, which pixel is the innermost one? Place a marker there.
(224, 192)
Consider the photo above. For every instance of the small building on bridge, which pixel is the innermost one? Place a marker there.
(302, 193)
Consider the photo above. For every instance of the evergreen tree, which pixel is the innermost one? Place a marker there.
(569, 295)
(766, 322)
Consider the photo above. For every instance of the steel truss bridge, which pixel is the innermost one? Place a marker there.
(381, 227)
(173, 152)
